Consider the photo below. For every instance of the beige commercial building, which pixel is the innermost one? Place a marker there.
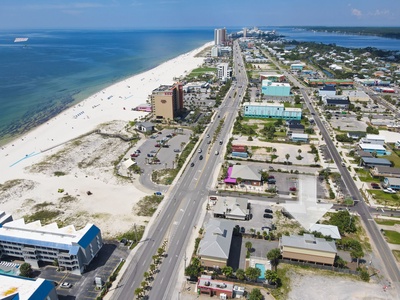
(308, 248)
(167, 101)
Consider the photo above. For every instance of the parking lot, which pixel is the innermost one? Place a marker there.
(83, 286)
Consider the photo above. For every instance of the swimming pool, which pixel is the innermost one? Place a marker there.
(262, 269)
(9, 272)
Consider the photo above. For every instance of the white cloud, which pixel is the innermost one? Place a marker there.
(379, 12)
(356, 12)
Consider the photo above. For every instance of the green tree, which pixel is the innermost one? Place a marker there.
(273, 255)
(227, 271)
(146, 275)
(248, 245)
(253, 273)
(364, 275)
(344, 221)
(139, 292)
(255, 294)
(240, 274)
(287, 155)
(271, 276)
(192, 270)
(25, 270)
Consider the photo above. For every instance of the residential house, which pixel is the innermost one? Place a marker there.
(308, 248)
(372, 162)
(356, 135)
(374, 148)
(295, 128)
(391, 182)
(299, 137)
(214, 248)
(373, 139)
(144, 126)
(232, 208)
(385, 171)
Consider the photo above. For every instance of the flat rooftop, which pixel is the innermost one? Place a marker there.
(22, 286)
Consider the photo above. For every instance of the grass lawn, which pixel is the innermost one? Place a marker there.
(365, 175)
(289, 104)
(385, 198)
(394, 158)
(392, 237)
(201, 71)
(396, 254)
(387, 222)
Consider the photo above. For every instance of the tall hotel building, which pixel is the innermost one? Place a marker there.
(219, 36)
(167, 101)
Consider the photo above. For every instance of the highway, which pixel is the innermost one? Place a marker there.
(361, 207)
(376, 238)
(176, 220)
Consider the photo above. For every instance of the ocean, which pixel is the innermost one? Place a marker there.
(56, 69)
(340, 39)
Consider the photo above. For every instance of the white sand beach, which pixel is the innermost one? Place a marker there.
(110, 205)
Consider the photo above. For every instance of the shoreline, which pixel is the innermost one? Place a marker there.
(10, 137)
(40, 163)
(114, 102)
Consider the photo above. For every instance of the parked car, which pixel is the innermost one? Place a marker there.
(389, 191)
(134, 154)
(150, 155)
(177, 150)
(268, 216)
(153, 151)
(375, 186)
(157, 145)
(242, 230)
(267, 210)
(66, 285)
(192, 164)
(138, 151)
(293, 189)
(158, 193)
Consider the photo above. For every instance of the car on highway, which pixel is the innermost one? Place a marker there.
(267, 210)
(199, 151)
(201, 157)
(208, 135)
(177, 150)
(220, 142)
(192, 164)
(66, 285)
(208, 142)
(268, 216)
(216, 152)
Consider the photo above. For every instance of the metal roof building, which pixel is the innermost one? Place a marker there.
(215, 246)
(21, 288)
(308, 248)
(32, 242)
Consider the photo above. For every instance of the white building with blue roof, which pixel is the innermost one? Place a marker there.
(21, 288)
(34, 243)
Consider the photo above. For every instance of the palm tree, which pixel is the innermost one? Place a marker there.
(299, 151)
(227, 271)
(271, 276)
(248, 245)
(240, 274)
(152, 268)
(273, 255)
(139, 292)
(182, 145)
(287, 156)
(146, 275)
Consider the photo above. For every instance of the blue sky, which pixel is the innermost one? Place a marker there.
(34, 14)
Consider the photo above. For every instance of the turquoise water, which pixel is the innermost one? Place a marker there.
(55, 69)
(10, 272)
(262, 268)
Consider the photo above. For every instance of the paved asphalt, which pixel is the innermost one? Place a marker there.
(361, 207)
(183, 205)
